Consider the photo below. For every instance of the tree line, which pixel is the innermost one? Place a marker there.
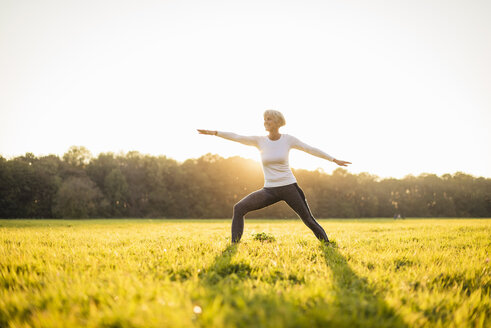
(142, 186)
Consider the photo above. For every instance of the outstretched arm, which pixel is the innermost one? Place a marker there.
(246, 140)
(297, 144)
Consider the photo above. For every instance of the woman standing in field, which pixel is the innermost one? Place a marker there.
(280, 183)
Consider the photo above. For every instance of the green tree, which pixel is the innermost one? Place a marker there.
(139, 185)
(116, 191)
(78, 197)
(98, 168)
(77, 156)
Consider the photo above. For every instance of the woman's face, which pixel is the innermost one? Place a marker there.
(269, 123)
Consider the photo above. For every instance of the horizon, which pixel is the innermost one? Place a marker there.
(124, 153)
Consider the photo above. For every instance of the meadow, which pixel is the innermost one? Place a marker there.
(185, 273)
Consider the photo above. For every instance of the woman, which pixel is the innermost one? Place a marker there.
(280, 183)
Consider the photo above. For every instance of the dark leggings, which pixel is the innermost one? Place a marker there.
(291, 194)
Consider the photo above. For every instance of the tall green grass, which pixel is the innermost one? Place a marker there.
(171, 273)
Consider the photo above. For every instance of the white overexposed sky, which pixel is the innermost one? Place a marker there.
(396, 87)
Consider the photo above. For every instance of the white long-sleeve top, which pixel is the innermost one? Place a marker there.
(274, 155)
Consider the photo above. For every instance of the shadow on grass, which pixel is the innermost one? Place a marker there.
(237, 295)
(223, 268)
(355, 300)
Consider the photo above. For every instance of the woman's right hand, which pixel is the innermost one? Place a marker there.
(209, 132)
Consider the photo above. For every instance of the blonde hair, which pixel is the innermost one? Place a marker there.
(276, 115)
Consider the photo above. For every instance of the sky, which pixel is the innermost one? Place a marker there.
(396, 87)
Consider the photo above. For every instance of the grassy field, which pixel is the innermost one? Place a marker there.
(171, 273)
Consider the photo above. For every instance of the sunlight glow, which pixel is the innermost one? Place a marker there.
(399, 88)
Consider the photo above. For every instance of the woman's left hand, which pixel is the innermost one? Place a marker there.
(341, 163)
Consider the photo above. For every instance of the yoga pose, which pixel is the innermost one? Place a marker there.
(280, 183)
